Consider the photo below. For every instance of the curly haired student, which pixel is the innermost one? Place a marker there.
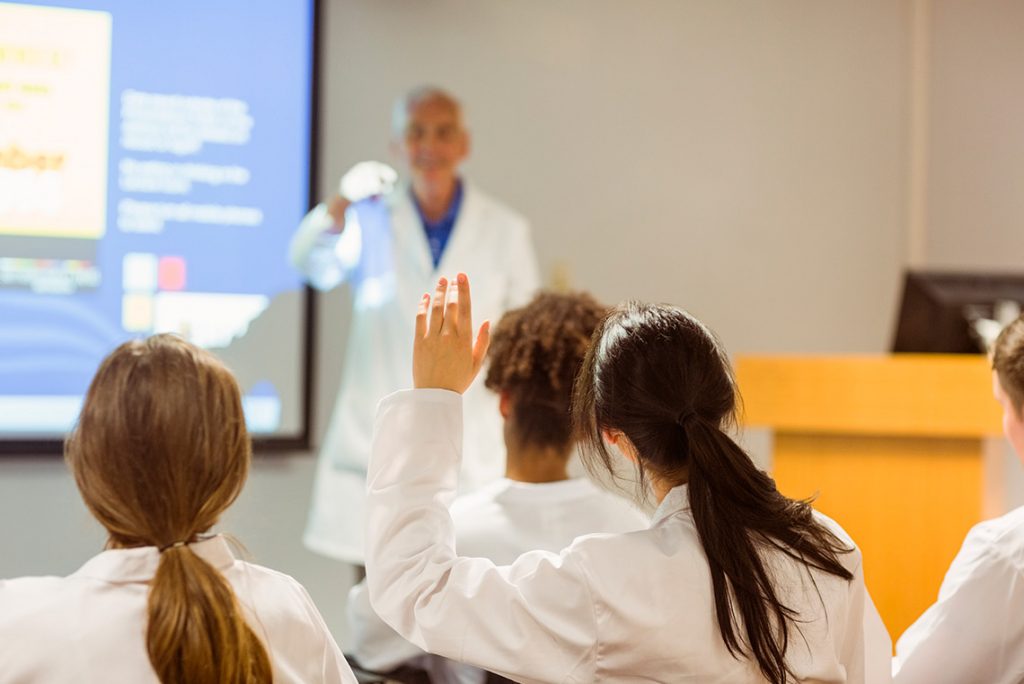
(536, 352)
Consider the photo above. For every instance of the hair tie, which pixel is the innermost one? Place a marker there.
(684, 417)
(174, 545)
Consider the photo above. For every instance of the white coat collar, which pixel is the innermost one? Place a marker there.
(406, 220)
(139, 564)
(676, 501)
(540, 492)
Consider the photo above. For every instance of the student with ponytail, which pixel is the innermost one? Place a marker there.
(733, 582)
(535, 354)
(159, 452)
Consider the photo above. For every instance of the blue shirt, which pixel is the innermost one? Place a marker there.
(438, 232)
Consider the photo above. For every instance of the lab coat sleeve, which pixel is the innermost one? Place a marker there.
(373, 643)
(326, 259)
(969, 633)
(533, 620)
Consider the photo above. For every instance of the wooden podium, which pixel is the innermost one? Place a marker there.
(904, 451)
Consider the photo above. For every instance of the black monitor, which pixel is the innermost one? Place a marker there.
(937, 309)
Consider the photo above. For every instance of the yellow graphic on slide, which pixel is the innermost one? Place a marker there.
(54, 121)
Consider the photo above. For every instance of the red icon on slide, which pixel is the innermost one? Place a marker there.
(171, 273)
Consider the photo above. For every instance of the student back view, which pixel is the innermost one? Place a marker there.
(731, 583)
(159, 452)
(535, 354)
(974, 632)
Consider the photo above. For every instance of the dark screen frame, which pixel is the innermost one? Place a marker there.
(262, 445)
(932, 317)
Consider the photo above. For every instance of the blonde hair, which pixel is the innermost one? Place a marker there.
(159, 452)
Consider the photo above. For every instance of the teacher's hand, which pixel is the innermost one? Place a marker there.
(444, 354)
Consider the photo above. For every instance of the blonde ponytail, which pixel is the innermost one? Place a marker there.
(160, 451)
(197, 632)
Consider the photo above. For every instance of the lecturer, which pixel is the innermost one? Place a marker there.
(392, 247)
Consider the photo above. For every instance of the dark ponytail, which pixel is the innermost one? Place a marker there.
(658, 376)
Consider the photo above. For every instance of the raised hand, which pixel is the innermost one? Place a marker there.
(444, 353)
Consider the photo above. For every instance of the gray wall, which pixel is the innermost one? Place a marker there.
(976, 150)
(746, 160)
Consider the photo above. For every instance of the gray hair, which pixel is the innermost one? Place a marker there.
(416, 96)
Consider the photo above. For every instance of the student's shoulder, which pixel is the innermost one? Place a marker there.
(29, 590)
(286, 618)
(21, 585)
(269, 591)
(262, 575)
(42, 606)
(1006, 526)
(999, 539)
(852, 559)
(36, 589)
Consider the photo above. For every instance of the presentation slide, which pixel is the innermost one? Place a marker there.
(154, 162)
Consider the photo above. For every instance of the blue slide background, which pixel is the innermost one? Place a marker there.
(259, 52)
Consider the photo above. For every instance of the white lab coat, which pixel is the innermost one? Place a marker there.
(500, 522)
(91, 625)
(975, 631)
(635, 607)
(383, 253)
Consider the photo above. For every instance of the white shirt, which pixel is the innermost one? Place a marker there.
(975, 631)
(634, 607)
(505, 519)
(499, 522)
(91, 626)
(384, 255)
